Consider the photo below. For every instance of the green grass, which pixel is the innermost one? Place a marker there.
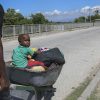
(78, 91)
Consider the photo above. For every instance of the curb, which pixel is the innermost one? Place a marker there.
(90, 88)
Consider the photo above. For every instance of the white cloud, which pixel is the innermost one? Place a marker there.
(85, 9)
(96, 8)
(55, 12)
(57, 15)
(17, 10)
(88, 9)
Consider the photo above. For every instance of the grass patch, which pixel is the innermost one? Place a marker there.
(78, 91)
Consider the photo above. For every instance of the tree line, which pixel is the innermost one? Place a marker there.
(15, 18)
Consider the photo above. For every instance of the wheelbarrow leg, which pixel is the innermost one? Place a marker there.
(49, 94)
(31, 94)
(38, 94)
(45, 93)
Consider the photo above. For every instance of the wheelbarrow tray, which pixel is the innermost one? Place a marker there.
(38, 79)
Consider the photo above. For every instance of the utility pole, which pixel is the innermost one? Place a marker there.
(85, 14)
(90, 15)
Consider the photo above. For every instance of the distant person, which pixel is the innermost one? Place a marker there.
(22, 54)
(4, 82)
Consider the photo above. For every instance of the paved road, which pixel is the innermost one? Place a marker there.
(82, 53)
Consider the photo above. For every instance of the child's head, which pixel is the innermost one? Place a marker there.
(24, 40)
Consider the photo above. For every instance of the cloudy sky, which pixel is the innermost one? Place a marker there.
(53, 10)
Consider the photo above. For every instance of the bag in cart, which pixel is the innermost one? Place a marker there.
(53, 55)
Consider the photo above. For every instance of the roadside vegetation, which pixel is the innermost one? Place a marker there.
(15, 18)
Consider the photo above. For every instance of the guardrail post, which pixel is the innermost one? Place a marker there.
(14, 31)
(39, 28)
(22, 29)
(32, 29)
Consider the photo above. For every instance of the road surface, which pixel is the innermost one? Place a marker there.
(81, 49)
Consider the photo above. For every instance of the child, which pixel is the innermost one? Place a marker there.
(21, 57)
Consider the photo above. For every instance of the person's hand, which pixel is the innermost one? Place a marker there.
(38, 51)
(4, 82)
(29, 56)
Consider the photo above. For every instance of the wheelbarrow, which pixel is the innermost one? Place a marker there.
(38, 84)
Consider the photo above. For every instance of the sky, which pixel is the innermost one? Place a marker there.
(53, 10)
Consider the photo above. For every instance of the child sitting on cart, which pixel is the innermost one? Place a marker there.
(21, 57)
